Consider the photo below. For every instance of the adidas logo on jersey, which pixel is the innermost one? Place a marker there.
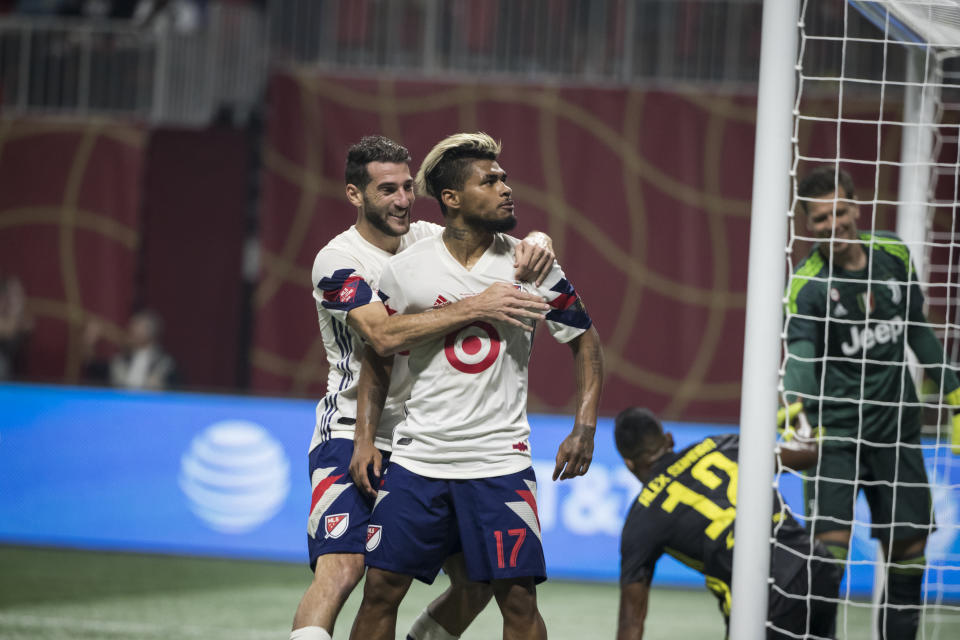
(868, 337)
(440, 302)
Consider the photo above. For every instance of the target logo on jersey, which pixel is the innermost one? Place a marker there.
(374, 534)
(336, 524)
(474, 348)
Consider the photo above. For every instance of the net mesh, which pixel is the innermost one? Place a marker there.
(879, 97)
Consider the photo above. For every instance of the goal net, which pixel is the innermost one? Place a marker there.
(878, 97)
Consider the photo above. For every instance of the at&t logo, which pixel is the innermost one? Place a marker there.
(235, 476)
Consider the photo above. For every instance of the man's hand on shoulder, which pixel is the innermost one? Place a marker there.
(575, 453)
(365, 456)
(533, 258)
(503, 302)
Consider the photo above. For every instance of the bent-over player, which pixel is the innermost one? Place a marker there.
(461, 477)
(687, 509)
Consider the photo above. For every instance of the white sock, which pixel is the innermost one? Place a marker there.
(426, 628)
(310, 633)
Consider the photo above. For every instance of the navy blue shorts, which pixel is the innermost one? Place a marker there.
(418, 522)
(339, 513)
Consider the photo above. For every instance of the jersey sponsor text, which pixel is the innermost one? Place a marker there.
(868, 337)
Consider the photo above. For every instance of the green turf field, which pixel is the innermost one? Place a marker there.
(56, 593)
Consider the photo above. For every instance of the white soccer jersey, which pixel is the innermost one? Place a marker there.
(467, 411)
(345, 275)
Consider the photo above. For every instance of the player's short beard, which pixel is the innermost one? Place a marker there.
(500, 225)
(376, 216)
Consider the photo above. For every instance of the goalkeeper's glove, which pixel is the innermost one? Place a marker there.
(786, 415)
(953, 399)
(787, 419)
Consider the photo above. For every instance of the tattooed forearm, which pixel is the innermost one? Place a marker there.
(588, 361)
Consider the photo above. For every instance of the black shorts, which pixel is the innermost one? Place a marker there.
(807, 602)
(892, 477)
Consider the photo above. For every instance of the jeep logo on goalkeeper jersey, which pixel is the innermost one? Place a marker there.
(235, 476)
(868, 337)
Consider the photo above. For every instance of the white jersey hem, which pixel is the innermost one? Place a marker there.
(459, 471)
(383, 444)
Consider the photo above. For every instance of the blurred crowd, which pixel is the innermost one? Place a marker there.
(15, 325)
(135, 359)
(140, 362)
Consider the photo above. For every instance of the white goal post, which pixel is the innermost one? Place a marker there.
(765, 276)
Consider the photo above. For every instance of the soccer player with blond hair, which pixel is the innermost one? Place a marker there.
(460, 477)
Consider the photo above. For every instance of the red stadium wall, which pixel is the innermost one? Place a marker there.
(645, 194)
(100, 218)
(69, 229)
(194, 226)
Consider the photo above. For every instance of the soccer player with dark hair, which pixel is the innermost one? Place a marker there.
(461, 475)
(345, 277)
(854, 305)
(687, 509)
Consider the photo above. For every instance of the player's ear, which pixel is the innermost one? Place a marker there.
(354, 195)
(668, 440)
(631, 465)
(450, 198)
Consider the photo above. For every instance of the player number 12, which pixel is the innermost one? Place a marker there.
(519, 534)
(719, 517)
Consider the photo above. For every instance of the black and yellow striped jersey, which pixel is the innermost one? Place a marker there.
(687, 510)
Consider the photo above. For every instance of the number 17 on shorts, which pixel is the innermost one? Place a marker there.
(418, 522)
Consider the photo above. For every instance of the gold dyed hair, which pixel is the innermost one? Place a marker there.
(441, 170)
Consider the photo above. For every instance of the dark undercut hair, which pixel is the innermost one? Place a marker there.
(636, 432)
(823, 181)
(446, 166)
(372, 149)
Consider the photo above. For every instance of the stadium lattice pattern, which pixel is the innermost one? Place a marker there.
(661, 266)
(69, 224)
